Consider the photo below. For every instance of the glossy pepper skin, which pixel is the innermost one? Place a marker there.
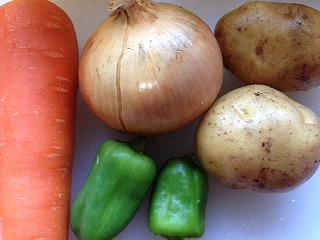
(118, 182)
(178, 201)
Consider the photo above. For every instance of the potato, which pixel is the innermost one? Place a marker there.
(258, 138)
(274, 44)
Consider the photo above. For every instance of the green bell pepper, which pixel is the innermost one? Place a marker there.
(118, 182)
(178, 200)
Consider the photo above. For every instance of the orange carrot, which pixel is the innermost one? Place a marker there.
(38, 85)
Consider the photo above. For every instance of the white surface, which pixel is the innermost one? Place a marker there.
(231, 214)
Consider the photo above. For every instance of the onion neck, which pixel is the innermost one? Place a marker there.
(115, 5)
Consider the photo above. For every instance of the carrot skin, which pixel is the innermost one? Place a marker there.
(38, 87)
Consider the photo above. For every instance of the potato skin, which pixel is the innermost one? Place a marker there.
(274, 44)
(256, 137)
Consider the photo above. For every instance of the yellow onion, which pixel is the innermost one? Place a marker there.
(150, 68)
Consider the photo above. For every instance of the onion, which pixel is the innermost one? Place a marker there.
(150, 68)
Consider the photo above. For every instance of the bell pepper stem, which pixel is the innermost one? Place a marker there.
(138, 143)
(188, 157)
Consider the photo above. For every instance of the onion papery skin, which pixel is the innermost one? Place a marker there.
(150, 69)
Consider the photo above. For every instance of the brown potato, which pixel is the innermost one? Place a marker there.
(275, 44)
(256, 137)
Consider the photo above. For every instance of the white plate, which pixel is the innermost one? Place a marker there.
(231, 214)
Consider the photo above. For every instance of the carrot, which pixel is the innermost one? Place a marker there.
(38, 86)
